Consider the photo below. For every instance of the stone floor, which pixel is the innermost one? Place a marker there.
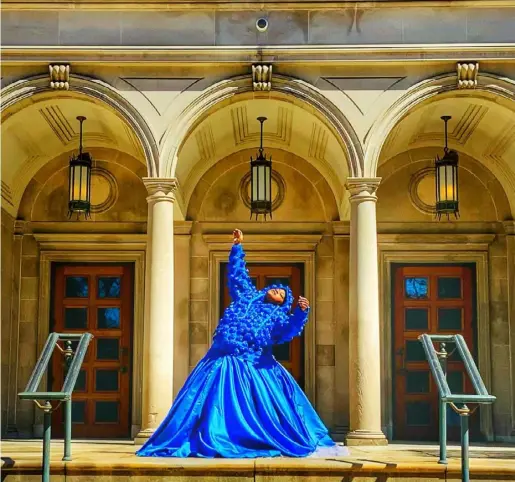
(108, 461)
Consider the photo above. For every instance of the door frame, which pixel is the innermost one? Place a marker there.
(435, 252)
(129, 248)
(274, 253)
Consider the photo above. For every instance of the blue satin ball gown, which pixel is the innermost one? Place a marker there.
(239, 402)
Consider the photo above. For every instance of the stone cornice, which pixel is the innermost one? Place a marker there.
(244, 5)
(91, 242)
(435, 242)
(509, 227)
(182, 228)
(213, 55)
(265, 242)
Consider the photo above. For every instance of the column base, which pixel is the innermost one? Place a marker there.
(365, 437)
(143, 436)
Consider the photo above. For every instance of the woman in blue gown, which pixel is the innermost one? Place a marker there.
(239, 401)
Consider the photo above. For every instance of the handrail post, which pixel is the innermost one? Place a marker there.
(464, 419)
(73, 362)
(47, 428)
(67, 430)
(67, 456)
(442, 355)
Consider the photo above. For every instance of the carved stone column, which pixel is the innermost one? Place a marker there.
(158, 390)
(364, 338)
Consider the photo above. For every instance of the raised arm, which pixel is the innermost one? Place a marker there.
(293, 325)
(238, 278)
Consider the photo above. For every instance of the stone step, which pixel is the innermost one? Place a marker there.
(116, 462)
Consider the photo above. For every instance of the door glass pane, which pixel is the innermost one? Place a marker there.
(106, 412)
(449, 288)
(416, 288)
(273, 280)
(449, 319)
(254, 282)
(414, 351)
(76, 287)
(75, 318)
(417, 382)
(282, 352)
(455, 382)
(109, 287)
(416, 319)
(108, 318)
(108, 349)
(80, 384)
(106, 380)
(418, 413)
(78, 411)
(455, 357)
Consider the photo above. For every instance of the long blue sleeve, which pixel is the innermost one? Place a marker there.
(292, 327)
(238, 278)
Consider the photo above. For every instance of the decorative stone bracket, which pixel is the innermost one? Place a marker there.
(467, 74)
(262, 77)
(59, 77)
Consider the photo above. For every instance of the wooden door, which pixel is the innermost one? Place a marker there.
(290, 355)
(432, 300)
(97, 300)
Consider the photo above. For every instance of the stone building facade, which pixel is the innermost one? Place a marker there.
(353, 95)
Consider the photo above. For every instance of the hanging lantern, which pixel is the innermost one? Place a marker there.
(79, 187)
(446, 176)
(261, 181)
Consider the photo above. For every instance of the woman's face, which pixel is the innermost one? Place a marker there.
(276, 296)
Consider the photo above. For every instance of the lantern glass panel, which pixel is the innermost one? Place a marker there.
(268, 174)
(80, 183)
(447, 183)
(261, 183)
(254, 180)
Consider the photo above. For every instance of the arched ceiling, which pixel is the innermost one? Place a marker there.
(482, 127)
(291, 126)
(39, 129)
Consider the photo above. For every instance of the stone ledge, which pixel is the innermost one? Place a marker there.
(344, 466)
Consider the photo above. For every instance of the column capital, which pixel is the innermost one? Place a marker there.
(160, 188)
(362, 188)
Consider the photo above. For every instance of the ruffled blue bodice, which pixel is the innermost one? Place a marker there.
(250, 325)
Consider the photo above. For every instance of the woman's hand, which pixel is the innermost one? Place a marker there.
(303, 303)
(237, 236)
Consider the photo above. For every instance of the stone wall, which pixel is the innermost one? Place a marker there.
(325, 330)
(500, 339)
(352, 25)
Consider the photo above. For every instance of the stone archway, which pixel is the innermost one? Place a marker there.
(96, 89)
(287, 86)
(417, 94)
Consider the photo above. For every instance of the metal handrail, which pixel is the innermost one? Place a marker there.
(73, 362)
(438, 364)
